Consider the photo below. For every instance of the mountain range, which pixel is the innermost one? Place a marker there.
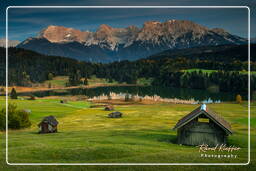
(109, 44)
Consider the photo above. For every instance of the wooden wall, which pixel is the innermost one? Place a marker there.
(197, 133)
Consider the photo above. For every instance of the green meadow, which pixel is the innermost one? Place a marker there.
(61, 81)
(143, 135)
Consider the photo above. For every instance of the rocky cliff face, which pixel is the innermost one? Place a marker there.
(110, 44)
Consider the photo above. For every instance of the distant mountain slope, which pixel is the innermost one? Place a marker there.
(217, 53)
(111, 44)
(11, 43)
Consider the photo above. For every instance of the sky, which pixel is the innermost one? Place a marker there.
(27, 22)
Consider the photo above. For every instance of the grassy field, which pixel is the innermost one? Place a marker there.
(210, 71)
(143, 135)
(60, 81)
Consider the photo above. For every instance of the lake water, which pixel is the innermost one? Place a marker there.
(163, 92)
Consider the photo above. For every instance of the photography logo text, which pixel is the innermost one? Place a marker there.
(218, 151)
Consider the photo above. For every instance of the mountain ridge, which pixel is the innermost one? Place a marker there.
(108, 44)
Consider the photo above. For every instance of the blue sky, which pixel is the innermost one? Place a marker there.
(24, 23)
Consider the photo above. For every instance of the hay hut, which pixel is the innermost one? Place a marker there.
(115, 115)
(48, 125)
(202, 126)
(109, 108)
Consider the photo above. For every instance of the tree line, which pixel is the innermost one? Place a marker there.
(27, 67)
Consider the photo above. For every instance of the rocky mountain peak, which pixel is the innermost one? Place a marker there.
(105, 27)
(58, 34)
(130, 42)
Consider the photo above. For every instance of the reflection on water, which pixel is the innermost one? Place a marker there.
(163, 92)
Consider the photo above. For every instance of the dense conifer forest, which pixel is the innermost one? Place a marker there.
(166, 69)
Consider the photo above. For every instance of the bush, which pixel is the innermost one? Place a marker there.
(238, 98)
(17, 119)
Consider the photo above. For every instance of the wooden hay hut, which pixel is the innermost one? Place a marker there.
(48, 125)
(202, 126)
(115, 115)
(109, 108)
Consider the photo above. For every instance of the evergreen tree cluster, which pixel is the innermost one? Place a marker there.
(27, 67)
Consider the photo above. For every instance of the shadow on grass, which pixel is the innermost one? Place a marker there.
(168, 138)
(37, 133)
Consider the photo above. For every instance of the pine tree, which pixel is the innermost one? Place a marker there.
(85, 81)
(13, 94)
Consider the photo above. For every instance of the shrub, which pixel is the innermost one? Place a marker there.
(238, 98)
(17, 119)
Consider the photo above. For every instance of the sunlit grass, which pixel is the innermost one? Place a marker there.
(144, 134)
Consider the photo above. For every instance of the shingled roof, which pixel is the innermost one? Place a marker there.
(50, 120)
(209, 113)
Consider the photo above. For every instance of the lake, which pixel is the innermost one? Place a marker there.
(164, 92)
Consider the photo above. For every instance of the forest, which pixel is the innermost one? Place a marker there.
(27, 67)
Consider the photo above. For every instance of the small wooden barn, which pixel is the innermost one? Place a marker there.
(115, 115)
(109, 108)
(202, 126)
(48, 125)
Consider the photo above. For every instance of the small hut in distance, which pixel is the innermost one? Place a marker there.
(48, 125)
(202, 126)
(115, 115)
(109, 108)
